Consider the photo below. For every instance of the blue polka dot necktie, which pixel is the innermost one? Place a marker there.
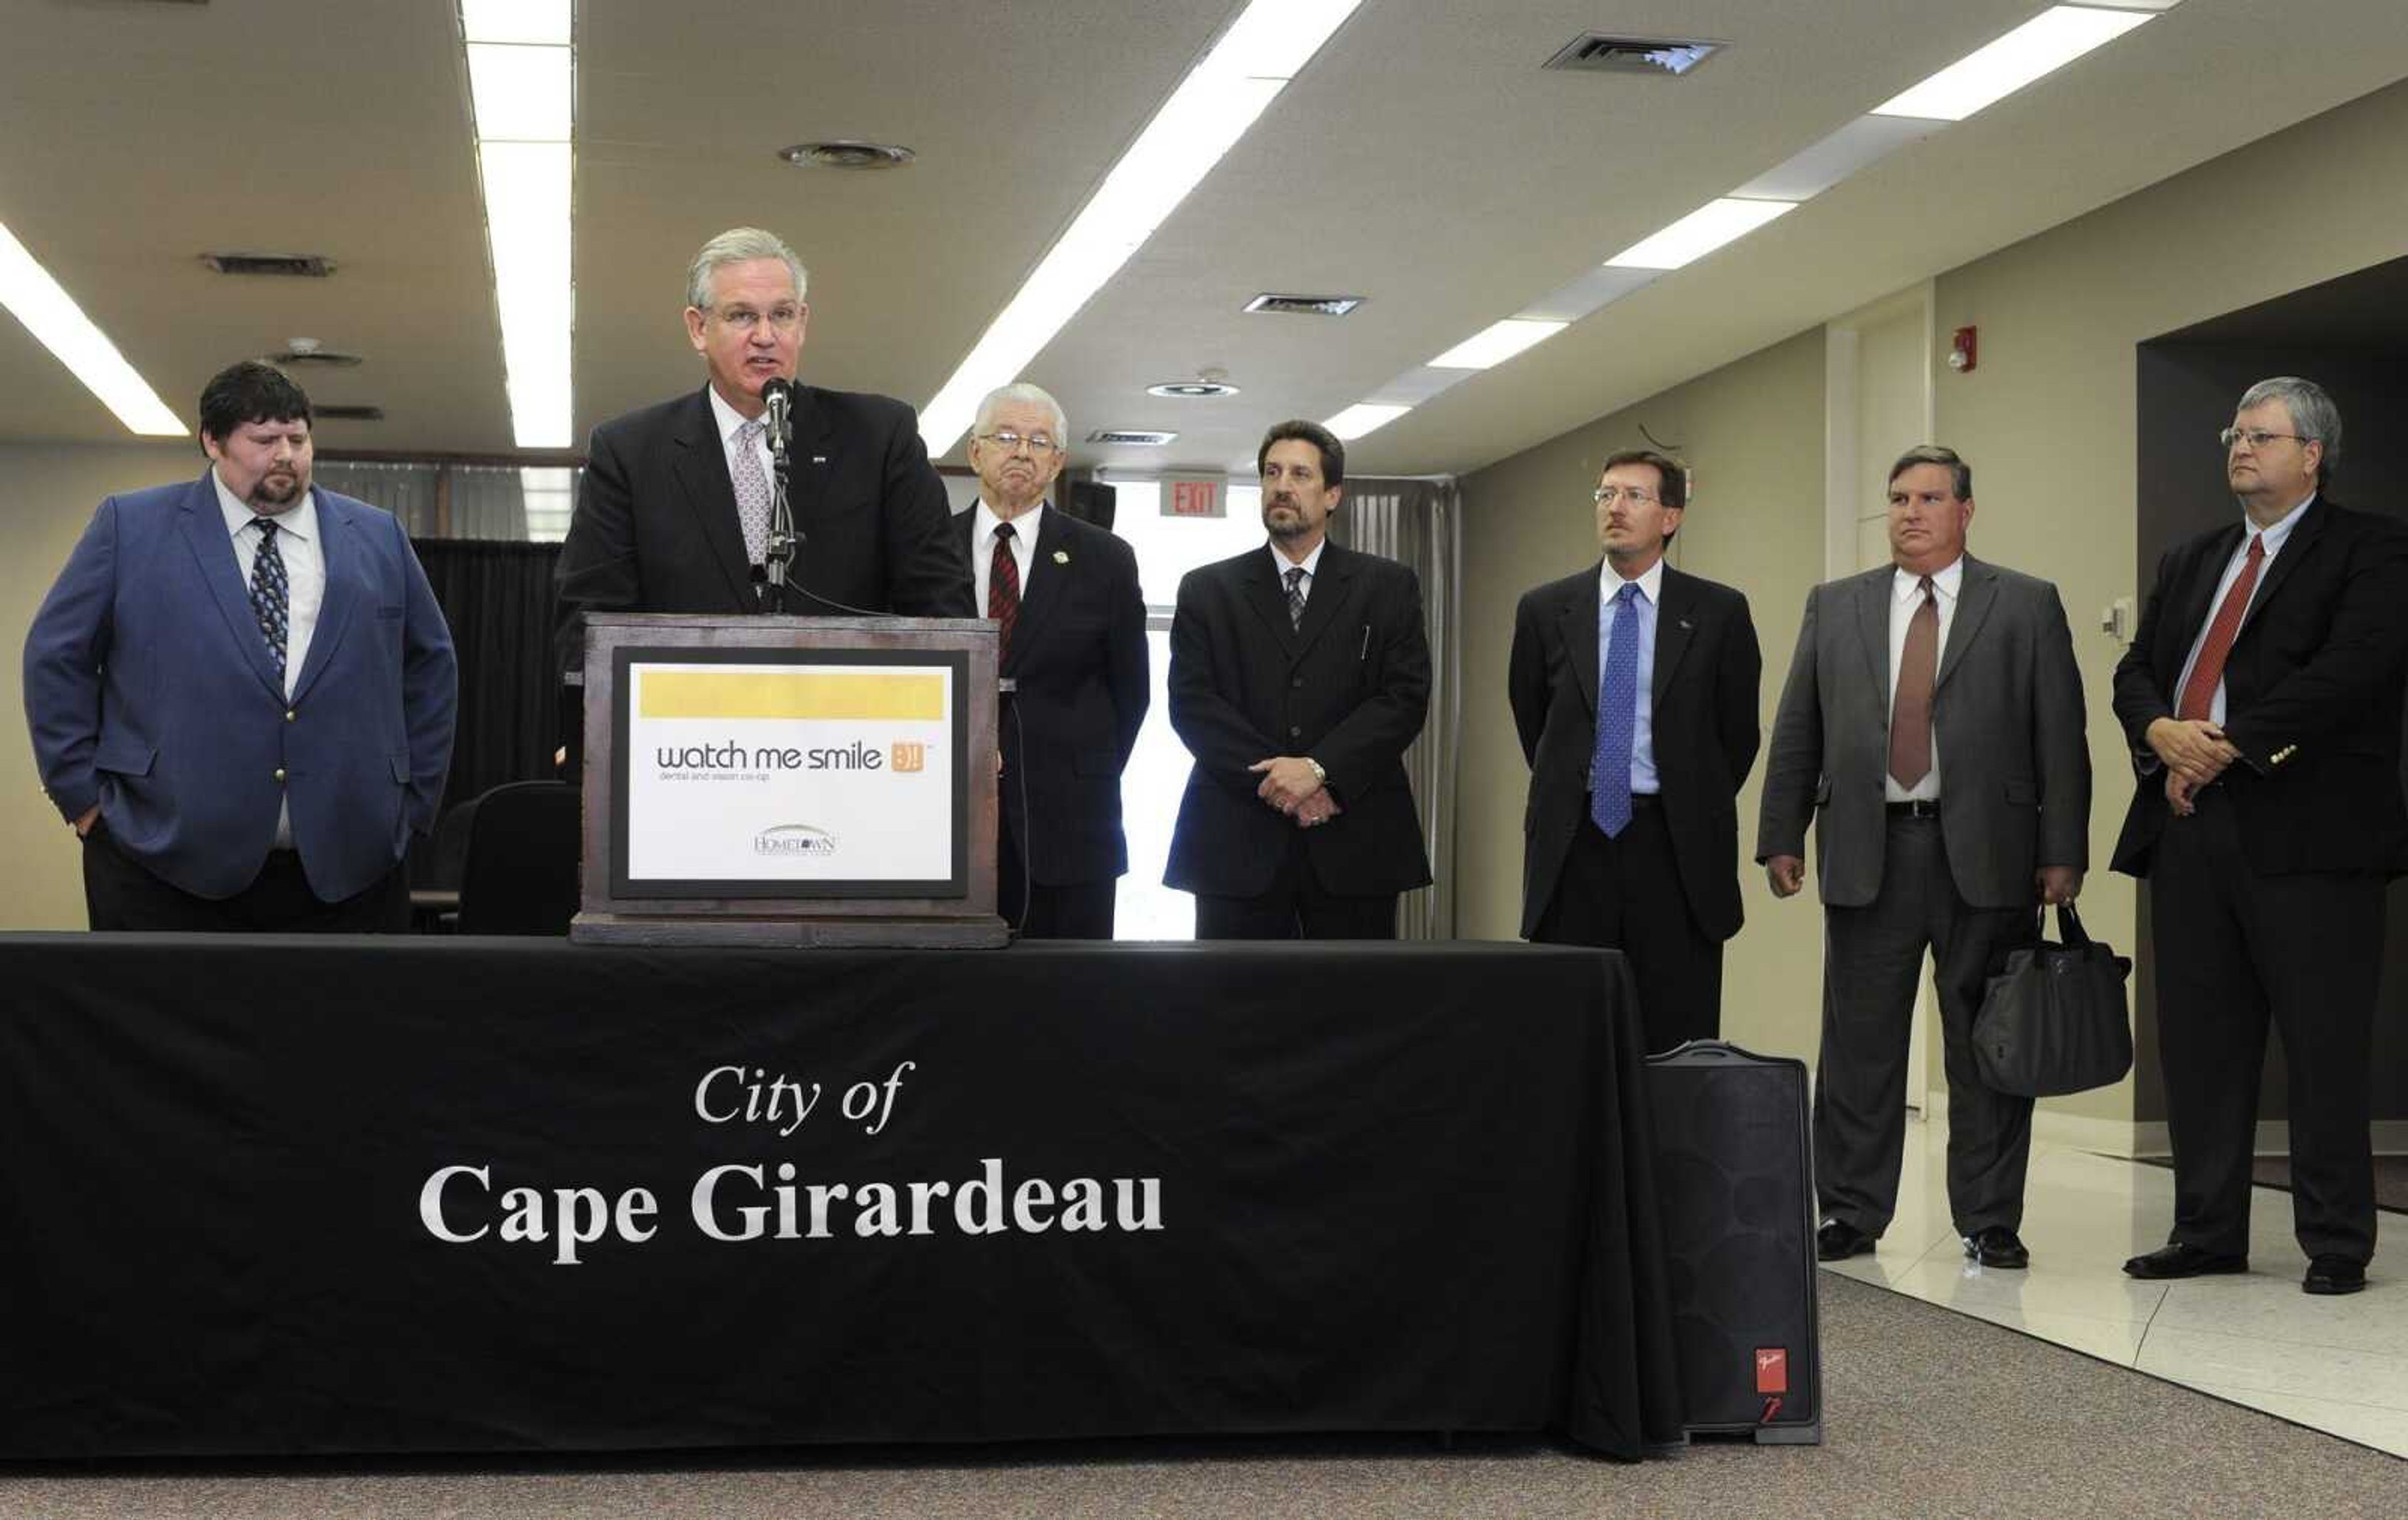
(1617, 714)
(270, 594)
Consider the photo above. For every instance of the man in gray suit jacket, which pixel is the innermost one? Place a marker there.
(1931, 725)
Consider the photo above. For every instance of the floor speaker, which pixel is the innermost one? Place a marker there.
(1735, 1181)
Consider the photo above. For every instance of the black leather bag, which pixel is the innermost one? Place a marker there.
(2055, 1021)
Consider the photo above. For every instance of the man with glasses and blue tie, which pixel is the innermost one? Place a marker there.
(674, 511)
(1932, 730)
(241, 690)
(2261, 697)
(1634, 691)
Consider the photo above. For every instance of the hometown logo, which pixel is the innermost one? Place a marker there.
(794, 840)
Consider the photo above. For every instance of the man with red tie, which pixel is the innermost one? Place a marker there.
(1071, 623)
(2262, 700)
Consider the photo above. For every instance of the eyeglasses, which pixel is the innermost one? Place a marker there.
(1605, 495)
(785, 319)
(2258, 439)
(1009, 442)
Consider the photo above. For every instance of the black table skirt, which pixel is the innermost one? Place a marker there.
(1244, 1189)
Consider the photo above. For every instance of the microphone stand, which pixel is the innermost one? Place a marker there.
(781, 553)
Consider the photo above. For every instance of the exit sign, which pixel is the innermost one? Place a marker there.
(1191, 499)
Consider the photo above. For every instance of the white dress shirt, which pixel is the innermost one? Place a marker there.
(1024, 547)
(297, 543)
(1310, 565)
(1906, 596)
(2276, 537)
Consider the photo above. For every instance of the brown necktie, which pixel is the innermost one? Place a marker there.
(1003, 591)
(1910, 714)
(2199, 691)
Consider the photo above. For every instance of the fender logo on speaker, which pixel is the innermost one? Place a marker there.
(1771, 1369)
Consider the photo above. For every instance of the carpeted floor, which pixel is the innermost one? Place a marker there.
(2390, 1177)
(1926, 1413)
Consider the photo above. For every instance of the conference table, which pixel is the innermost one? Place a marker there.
(318, 1196)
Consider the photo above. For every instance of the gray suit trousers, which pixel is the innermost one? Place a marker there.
(1872, 959)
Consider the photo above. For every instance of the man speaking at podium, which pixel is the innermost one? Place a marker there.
(674, 512)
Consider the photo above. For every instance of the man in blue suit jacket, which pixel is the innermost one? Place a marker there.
(241, 691)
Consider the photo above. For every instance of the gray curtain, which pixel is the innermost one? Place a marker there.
(445, 500)
(1418, 523)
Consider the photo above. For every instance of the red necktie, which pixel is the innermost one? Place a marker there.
(1003, 591)
(2199, 691)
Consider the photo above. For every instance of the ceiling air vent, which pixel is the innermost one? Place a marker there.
(309, 350)
(1304, 305)
(347, 414)
(300, 265)
(1660, 58)
(1130, 438)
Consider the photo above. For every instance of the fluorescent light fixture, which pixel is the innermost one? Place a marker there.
(522, 86)
(1205, 116)
(51, 315)
(1497, 343)
(1699, 233)
(1859, 145)
(520, 93)
(2045, 44)
(527, 216)
(1363, 417)
(539, 22)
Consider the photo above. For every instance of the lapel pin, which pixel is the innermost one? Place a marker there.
(1061, 556)
(819, 459)
(1686, 624)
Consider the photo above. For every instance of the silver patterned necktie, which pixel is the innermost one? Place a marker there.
(751, 492)
(271, 592)
(1296, 596)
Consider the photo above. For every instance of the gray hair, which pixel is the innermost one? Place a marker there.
(1961, 474)
(2312, 410)
(736, 246)
(1035, 396)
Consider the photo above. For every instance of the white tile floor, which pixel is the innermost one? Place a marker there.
(2338, 1365)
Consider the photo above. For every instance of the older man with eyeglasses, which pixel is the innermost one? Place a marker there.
(674, 513)
(1065, 596)
(1634, 692)
(2262, 700)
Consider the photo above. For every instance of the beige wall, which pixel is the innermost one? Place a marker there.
(1752, 432)
(2048, 421)
(46, 496)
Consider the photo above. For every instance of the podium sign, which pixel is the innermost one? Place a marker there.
(789, 781)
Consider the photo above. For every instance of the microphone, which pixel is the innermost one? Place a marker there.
(778, 395)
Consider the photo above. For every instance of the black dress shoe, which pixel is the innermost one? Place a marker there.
(1838, 1240)
(2182, 1259)
(1994, 1245)
(2334, 1274)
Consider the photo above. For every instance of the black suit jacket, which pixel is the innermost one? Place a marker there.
(656, 529)
(1078, 661)
(1348, 688)
(2312, 694)
(1705, 732)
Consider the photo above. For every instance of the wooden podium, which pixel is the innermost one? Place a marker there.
(789, 781)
